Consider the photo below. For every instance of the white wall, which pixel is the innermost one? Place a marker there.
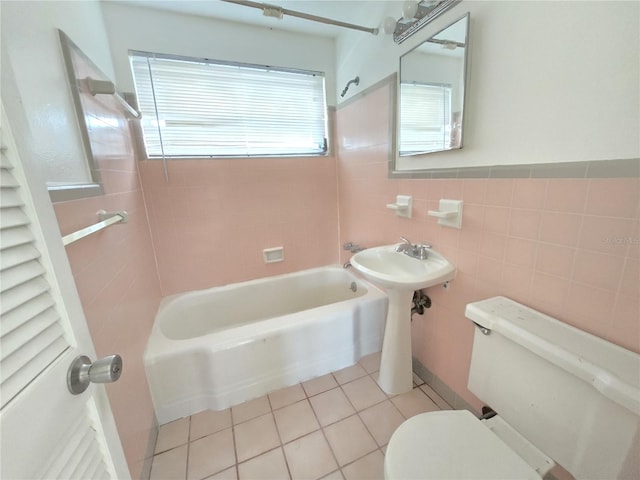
(30, 43)
(549, 81)
(135, 28)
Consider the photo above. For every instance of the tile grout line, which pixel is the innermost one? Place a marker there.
(322, 428)
(186, 472)
(281, 446)
(233, 438)
(389, 398)
(324, 435)
(357, 413)
(238, 462)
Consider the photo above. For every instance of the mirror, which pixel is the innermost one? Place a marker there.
(79, 175)
(431, 92)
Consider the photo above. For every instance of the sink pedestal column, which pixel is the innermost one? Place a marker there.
(395, 364)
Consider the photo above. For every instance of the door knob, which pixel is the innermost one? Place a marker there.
(82, 372)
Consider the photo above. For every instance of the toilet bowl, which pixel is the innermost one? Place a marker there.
(454, 444)
(560, 393)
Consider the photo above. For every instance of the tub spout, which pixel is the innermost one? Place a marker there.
(352, 247)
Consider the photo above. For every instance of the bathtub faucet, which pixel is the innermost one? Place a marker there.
(353, 247)
(416, 251)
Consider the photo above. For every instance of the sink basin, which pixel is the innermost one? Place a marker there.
(393, 270)
(400, 274)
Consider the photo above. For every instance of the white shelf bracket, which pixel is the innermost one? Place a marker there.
(403, 205)
(450, 213)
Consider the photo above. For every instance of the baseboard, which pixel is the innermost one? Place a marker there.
(441, 388)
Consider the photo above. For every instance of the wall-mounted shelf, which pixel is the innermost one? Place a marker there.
(449, 214)
(403, 205)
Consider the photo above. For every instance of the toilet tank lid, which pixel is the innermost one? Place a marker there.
(611, 369)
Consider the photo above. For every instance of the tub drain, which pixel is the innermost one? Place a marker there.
(354, 287)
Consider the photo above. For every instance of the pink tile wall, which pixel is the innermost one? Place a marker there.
(212, 219)
(567, 247)
(116, 275)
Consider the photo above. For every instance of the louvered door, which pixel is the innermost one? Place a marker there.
(45, 431)
(32, 336)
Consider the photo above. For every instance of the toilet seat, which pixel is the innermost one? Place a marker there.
(451, 445)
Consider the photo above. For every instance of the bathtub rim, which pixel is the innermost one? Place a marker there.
(172, 402)
(157, 331)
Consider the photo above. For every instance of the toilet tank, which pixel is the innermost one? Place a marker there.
(573, 395)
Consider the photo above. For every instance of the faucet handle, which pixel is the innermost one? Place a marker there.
(421, 252)
(406, 240)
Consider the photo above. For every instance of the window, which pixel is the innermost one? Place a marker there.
(425, 118)
(202, 108)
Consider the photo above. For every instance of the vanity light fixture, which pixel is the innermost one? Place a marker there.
(415, 15)
(410, 8)
(388, 25)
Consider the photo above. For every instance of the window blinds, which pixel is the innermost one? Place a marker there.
(198, 108)
(425, 118)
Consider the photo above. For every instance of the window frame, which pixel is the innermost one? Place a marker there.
(138, 134)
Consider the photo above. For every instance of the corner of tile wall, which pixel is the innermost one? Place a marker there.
(441, 388)
(151, 446)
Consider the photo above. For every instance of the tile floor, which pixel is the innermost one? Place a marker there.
(332, 427)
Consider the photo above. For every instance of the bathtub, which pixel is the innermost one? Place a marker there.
(211, 349)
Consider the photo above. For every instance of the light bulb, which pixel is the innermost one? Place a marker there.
(409, 9)
(389, 25)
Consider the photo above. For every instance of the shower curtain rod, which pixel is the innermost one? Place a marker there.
(278, 12)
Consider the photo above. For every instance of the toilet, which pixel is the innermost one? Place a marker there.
(561, 395)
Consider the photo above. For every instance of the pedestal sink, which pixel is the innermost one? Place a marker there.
(400, 274)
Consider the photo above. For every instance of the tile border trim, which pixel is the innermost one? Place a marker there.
(610, 168)
(615, 168)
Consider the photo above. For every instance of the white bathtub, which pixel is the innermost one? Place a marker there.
(211, 349)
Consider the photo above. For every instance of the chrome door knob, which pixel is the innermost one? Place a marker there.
(82, 372)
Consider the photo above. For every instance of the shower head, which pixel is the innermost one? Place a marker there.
(355, 81)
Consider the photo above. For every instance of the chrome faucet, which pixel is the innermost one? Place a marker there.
(405, 247)
(419, 251)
